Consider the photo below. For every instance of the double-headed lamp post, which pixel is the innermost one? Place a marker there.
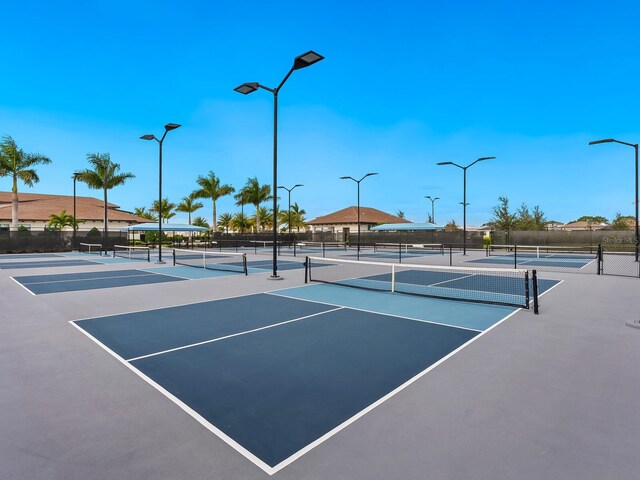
(300, 62)
(289, 190)
(433, 212)
(464, 197)
(75, 220)
(358, 183)
(167, 128)
(635, 146)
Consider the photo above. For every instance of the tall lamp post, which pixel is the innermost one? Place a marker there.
(464, 196)
(433, 214)
(75, 220)
(167, 128)
(289, 191)
(300, 62)
(358, 182)
(635, 146)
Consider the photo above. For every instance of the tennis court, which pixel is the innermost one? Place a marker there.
(46, 264)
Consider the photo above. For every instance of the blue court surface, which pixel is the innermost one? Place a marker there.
(274, 374)
(47, 264)
(528, 261)
(73, 282)
(14, 256)
(257, 266)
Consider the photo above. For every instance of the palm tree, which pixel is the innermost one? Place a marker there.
(18, 165)
(200, 222)
(211, 188)
(189, 205)
(255, 194)
(298, 218)
(241, 199)
(167, 209)
(142, 212)
(265, 216)
(241, 222)
(62, 220)
(224, 221)
(104, 175)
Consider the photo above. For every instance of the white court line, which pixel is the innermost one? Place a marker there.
(23, 286)
(232, 335)
(375, 312)
(88, 279)
(195, 415)
(450, 280)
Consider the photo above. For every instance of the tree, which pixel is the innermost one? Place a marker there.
(104, 175)
(224, 222)
(200, 222)
(539, 219)
(622, 222)
(503, 219)
(189, 205)
(211, 188)
(400, 214)
(241, 222)
(18, 165)
(298, 217)
(452, 226)
(591, 220)
(264, 218)
(167, 209)
(62, 220)
(142, 212)
(255, 194)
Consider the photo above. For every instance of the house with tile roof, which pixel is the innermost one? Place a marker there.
(35, 210)
(346, 220)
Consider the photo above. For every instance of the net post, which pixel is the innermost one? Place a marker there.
(393, 278)
(174, 256)
(599, 259)
(114, 252)
(307, 266)
(148, 255)
(534, 281)
(400, 252)
(451, 255)
(322, 245)
(527, 295)
(515, 256)
(244, 264)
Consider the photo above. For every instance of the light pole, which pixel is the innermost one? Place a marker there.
(358, 182)
(167, 127)
(301, 61)
(635, 146)
(464, 197)
(75, 220)
(289, 191)
(433, 214)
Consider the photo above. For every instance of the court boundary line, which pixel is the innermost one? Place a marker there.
(23, 286)
(378, 313)
(186, 408)
(205, 342)
(87, 279)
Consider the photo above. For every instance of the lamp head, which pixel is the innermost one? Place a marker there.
(247, 88)
(485, 158)
(444, 163)
(148, 137)
(606, 140)
(306, 60)
(171, 126)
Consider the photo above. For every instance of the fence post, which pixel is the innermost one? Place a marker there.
(599, 259)
(535, 292)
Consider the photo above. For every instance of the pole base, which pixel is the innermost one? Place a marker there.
(160, 262)
(633, 323)
(276, 277)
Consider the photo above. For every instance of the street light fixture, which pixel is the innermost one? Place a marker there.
(464, 195)
(358, 182)
(301, 61)
(75, 220)
(289, 191)
(635, 146)
(167, 128)
(433, 215)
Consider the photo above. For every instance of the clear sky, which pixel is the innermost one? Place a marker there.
(404, 85)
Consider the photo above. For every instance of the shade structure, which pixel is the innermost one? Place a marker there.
(167, 227)
(386, 227)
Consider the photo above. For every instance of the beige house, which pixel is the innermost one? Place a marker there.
(35, 210)
(582, 225)
(346, 220)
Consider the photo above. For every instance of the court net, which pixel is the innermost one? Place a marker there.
(321, 248)
(225, 261)
(132, 252)
(93, 248)
(483, 285)
(545, 251)
(409, 248)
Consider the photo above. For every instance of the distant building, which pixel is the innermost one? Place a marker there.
(346, 220)
(554, 225)
(582, 225)
(35, 210)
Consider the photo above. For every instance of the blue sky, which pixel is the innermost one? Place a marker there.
(404, 85)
